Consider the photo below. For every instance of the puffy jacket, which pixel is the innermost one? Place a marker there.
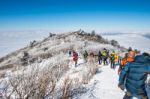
(133, 75)
(116, 57)
(85, 54)
(123, 61)
(75, 56)
(112, 57)
(104, 53)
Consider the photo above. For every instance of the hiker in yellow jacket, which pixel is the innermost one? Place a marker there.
(113, 59)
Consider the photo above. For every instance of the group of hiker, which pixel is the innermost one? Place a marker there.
(107, 57)
(134, 69)
(103, 56)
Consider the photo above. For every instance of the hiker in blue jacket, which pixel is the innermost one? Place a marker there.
(133, 77)
(148, 79)
(148, 84)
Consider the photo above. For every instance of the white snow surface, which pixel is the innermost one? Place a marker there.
(104, 85)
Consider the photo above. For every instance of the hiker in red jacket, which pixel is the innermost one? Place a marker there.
(75, 57)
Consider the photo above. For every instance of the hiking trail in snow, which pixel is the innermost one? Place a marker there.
(104, 85)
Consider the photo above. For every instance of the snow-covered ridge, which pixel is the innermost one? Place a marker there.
(48, 61)
(54, 44)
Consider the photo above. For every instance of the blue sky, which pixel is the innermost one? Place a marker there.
(99, 15)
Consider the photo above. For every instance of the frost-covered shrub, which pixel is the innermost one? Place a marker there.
(33, 43)
(66, 87)
(8, 66)
(34, 82)
(90, 71)
(114, 43)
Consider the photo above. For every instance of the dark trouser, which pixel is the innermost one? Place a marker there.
(148, 90)
(99, 60)
(129, 96)
(105, 61)
(119, 60)
(85, 59)
(76, 63)
(112, 64)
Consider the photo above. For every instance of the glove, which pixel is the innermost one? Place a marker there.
(121, 86)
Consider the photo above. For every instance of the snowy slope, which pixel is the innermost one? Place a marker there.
(104, 85)
(136, 41)
(51, 56)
